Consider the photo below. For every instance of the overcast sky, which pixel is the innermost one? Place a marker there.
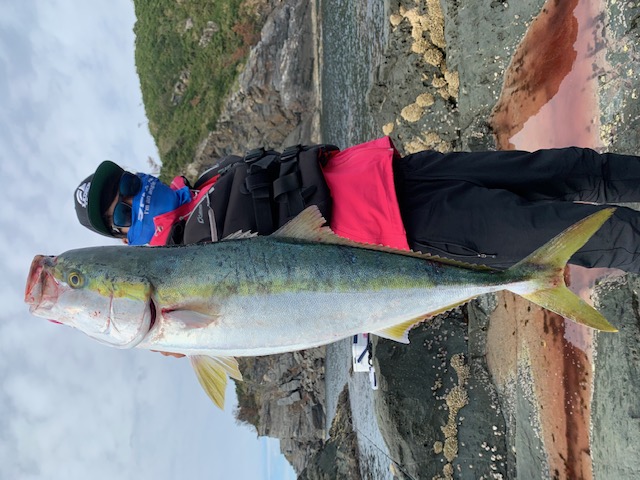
(71, 408)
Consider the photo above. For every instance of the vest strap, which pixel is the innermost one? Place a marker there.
(258, 183)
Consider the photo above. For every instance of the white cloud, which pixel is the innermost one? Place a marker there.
(71, 408)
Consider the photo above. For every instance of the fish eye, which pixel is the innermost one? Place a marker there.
(75, 279)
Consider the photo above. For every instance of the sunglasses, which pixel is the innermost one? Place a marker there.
(130, 184)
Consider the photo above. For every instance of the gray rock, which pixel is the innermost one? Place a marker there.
(481, 55)
(283, 397)
(207, 33)
(290, 400)
(290, 386)
(620, 87)
(338, 457)
(616, 404)
(274, 103)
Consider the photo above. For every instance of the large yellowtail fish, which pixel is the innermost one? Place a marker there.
(299, 288)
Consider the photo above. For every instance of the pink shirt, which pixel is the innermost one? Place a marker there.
(365, 205)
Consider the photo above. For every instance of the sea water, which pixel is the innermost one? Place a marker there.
(354, 35)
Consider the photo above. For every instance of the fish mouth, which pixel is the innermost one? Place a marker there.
(41, 286)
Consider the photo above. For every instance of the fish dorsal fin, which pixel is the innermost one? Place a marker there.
(212, 374)
(239, 235)
(308, 226)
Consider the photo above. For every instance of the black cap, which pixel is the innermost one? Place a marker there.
(95, 194)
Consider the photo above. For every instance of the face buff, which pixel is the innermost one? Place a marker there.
(153, 199)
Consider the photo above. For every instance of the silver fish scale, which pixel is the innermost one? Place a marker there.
(266, 295)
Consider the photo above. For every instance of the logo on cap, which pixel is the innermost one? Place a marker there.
(82, 194)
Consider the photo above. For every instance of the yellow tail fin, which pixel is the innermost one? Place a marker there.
(564, 302)
(550, 260)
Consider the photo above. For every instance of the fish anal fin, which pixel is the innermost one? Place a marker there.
(212, 374)
(400, 332)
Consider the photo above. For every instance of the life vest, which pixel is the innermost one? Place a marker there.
(354, 190)
(258, 192)
(169, 227)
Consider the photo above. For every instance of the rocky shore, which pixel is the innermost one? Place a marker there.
(467, 398)
(524, 413)
(275, 103)
(283, 396)
(338, 456)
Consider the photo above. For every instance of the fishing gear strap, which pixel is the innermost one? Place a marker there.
(262, 166)
(261, 191)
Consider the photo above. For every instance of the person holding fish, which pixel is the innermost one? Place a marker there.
(492, 208)
(300, 287)
(301, 284)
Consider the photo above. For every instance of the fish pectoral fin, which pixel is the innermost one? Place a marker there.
(191, 318)
(212, 374)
